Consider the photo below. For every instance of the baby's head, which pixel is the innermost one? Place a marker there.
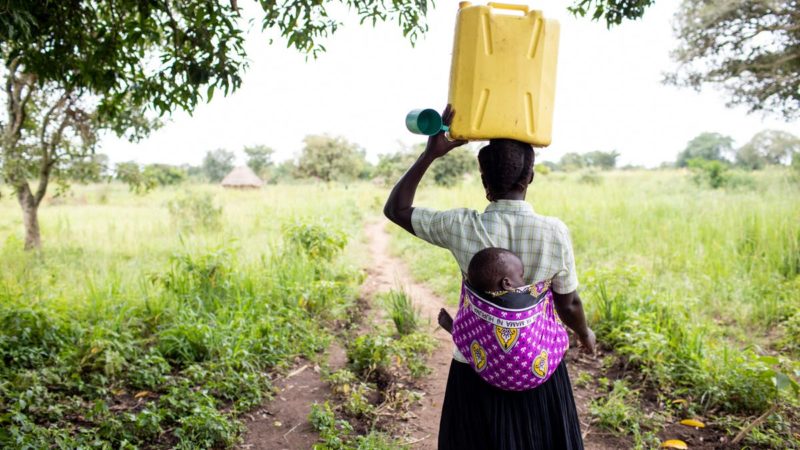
(495, 269)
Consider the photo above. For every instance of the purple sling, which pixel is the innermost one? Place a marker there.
(511, 349)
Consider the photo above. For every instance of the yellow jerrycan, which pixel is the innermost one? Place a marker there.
(503, 74)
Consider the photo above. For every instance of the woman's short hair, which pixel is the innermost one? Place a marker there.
(506, 165)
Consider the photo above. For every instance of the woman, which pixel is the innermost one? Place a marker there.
(476, 415)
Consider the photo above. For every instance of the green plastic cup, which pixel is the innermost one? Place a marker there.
(425, 121)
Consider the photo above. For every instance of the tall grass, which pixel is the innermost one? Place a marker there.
(131, 330)
(402, 311)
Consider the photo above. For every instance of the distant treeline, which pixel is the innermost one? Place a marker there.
(333, 158)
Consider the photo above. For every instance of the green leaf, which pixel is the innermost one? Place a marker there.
(782, 381)
(771, 360)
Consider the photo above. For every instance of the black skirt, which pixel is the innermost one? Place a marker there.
(476, 415)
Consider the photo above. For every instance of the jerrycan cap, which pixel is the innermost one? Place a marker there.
(425, 121)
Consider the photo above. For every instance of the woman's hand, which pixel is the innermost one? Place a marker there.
(588, 341)
(438, 144)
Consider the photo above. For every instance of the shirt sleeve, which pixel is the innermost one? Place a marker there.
(566, 280)
(433, 226)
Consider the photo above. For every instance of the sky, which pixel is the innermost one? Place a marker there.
(609, 94)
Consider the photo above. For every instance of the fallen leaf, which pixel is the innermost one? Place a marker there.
(674, 443)
(141, 394)
(693, 423)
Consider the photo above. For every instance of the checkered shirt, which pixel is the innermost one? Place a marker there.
(541, 242)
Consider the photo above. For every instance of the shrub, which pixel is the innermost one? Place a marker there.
(334, 433)
(375, 357)
(714, 174)
(150, 371)
(195, 211)
(791, 334)
(318, 241)
(541, 169)
(590, 177)
(29, 338)
(200, 278)
(618, 410)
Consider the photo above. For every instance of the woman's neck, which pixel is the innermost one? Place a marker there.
(511, 196)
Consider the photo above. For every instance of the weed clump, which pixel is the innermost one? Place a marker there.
(337, 434)
(618, 411)
(317, 241)
(402, 311)
(193, 211)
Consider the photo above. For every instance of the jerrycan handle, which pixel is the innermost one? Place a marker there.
(523, 8)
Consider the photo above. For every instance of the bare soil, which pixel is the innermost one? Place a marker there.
(282, 422)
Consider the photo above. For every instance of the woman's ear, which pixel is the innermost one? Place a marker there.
(486, 188)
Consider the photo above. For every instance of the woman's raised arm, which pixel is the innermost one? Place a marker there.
(399, 205)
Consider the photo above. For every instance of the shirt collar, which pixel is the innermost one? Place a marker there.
(509, 205)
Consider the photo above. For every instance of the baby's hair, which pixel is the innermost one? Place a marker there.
(488, 267)
(506, 165)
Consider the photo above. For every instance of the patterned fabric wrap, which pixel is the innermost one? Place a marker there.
(512, 349)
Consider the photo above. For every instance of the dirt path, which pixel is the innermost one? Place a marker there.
(388, 272)
(282, 423)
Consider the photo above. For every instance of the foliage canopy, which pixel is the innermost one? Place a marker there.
(768, 147)
(706, 146)
(217, 164)
(749, 49)
(331, 158)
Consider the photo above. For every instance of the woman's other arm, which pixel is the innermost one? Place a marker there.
(399, 205)
(570, 310)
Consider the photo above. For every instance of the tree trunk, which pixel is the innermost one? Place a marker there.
(30, 217)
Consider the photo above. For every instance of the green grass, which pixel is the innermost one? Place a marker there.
(132, 329)
(697, 288)
(404, 315)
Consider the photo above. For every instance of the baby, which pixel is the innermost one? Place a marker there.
(494, 272)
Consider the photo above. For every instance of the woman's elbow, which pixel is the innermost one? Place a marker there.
(390, 212)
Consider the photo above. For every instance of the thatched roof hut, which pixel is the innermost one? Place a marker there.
(242, 178)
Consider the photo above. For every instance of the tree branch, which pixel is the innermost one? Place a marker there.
(48, 147)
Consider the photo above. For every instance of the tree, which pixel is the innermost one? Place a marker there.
(131, 174)
(164, 174)
(450, 169)
(751, 49)
(91, 169)
(392, 166)
(283, 171)
(72, 69)
(259, 157)
(706, 146)
(768, 147)
(613, 11)
(572, 161)
(601, 160)
(217, 164)
(330, 159)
